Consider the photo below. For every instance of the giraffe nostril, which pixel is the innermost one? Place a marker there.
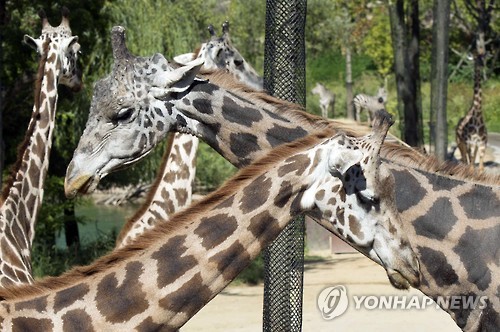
(238, 62)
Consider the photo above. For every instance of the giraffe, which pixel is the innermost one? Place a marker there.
(326, 99)
(219, 53)
(22, 196)
(243, 125)
(172, 190)
(170, 272)
(470, 132)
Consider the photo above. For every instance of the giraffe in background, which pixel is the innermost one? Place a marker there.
(470, 132)
(22, 196)
(243, 125)
(169, 273)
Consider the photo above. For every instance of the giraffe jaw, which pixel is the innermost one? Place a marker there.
(81, 185)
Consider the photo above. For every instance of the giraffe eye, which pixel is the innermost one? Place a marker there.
(367, 199)
(124, 114)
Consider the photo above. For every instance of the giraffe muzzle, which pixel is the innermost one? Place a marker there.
(80, 185)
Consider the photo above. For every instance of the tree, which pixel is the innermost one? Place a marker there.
(439, 75)
(405, 40)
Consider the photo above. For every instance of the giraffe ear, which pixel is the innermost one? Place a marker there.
(184, 59)
(343, 159)
(31, 42)
(180, 79)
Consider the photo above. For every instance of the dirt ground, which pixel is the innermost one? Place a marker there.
(239, 308)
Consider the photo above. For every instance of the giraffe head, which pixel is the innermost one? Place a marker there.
(220, 53)
(65, 48)
(362, 208)
(129, 114)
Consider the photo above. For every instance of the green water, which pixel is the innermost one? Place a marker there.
(99, 220)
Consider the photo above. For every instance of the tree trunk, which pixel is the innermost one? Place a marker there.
(2, 147)
(348, 84)
(71, 228)
(439, 75)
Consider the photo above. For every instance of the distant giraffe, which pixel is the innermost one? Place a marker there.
(470, 133)
(23, 193)
(326, 99)
(243, 125)
(220, 53)
(167, 275)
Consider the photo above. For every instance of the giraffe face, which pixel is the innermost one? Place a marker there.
(356, 197)
(220, 53)
(131, 111)
(64, 49)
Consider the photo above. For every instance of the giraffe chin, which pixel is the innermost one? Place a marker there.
(82, 185)
(403, 282)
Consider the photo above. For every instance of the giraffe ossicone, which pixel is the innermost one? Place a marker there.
(170, 272)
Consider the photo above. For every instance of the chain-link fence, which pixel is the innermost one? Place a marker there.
(284, 77)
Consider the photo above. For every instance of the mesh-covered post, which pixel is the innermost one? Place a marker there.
(284, 77)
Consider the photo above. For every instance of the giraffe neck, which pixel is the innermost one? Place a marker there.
(24, 192)
(453, 225)
(171, 272)
(207, 106)
(477, 105)
(171, 189)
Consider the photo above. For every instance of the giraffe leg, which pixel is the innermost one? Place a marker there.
(482, 150)
(472, 158)
(463, 151)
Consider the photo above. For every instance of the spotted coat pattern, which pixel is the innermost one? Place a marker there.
(161, 283)
(23, 194)
(242, 127)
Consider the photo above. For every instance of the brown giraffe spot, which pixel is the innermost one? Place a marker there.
(320, 195)
(296, 207)
(480, 203)
(188, 146)
(177, 264)
(243, 145)
(296, 164)
(284, 194)
(427, 226)
(255, 194)
(214, 230)
(409, 194)
(181, 195)
(478, 249)
(203, 105)
(336, 188)
(128, 298)
(437, 266)
(38, 147)
(278, 134)
(190, 298)
(355, 227)
(184, 171)
(23, 324)
(148, 325)
(342, 195)
(77, 320)
(228, 202)
(316, 160)
(332, 201)
(264, 227)
(8, 254)
(66, 297)
(38, 304)
(231, 261)
(234, 113)
(340, 215)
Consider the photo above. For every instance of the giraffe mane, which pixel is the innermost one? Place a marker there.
(163, 229)
(31, 127)
(151, 193)
(411, 158)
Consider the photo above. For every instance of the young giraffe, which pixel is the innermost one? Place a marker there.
(23, 193)
(470, 133)
(170, 272)
(171, 190)
(219, 53)
(242, 126)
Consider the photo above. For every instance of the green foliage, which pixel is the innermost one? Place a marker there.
(377, 44)
(211, 169)
(253, 274)
(52, 261)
